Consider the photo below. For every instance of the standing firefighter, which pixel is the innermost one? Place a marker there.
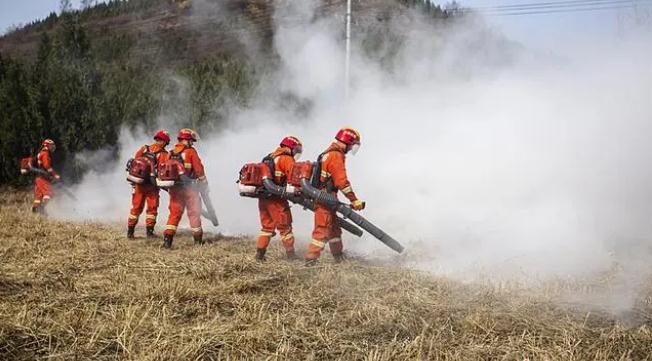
(185, 194)
(145, 190)
(275, 211)
(333, 177)
(42, 192)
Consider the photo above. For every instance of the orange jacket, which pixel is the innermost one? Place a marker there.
(283, 162)
(191, 161)
(44, 161)
(158, 149)
(333, 168)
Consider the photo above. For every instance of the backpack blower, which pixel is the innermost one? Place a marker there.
(303, 174)
(255, 181)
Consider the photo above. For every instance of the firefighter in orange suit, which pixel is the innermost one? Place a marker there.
(333, 178)
(274, 211)
(42, 192)
(147, 193)
(186, 197)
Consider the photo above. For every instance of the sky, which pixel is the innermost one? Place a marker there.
(547, 31)
(544, 32)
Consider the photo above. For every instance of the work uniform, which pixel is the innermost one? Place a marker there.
(184, 197)
(146, 193)
(274, 211)
(333, 177)
(42, 188)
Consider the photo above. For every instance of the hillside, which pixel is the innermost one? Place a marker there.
(82, 291)
(185, 31)
(82, 76)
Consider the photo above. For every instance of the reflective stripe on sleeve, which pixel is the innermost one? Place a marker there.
(335, 240)
(131, 216)
(171, 227)
(287, 236)
(347, 189)
(196, 230)
(151, 216)
(187, 165)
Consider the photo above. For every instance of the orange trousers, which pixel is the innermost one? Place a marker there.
(144, 194)
(42, 192)
(326, 231)
(275, 214)
(184, 198)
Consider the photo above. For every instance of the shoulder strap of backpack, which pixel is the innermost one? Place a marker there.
(317, 170)
(270, 161)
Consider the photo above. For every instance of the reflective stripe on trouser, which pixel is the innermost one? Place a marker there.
(326, 231)
(275, 214)
(144, 194)
(41, 192)
(184, 198)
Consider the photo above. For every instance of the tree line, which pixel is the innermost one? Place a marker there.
(81, 93)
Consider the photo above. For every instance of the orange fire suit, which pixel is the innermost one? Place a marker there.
(186, 197)
(146, 193)
(42, 191)
(327, 231)
(274, 211)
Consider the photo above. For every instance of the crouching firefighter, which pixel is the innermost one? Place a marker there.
(275, 211)
(332, 177)
(184, 194)
(44, 176)
(141, 173)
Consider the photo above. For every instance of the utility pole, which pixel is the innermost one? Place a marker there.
(347, 61)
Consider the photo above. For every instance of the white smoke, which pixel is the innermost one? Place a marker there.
(478, 155)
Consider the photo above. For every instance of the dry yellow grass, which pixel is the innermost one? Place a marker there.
(82, 291)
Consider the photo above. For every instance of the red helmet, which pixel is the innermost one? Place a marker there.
(162, 135)
(293, 143)
(187, 134)
(48, 143)
(348, 136)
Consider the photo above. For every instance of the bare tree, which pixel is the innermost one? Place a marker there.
(88, 3)
(65, 5)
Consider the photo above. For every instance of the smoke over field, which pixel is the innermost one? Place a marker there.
(482, 156)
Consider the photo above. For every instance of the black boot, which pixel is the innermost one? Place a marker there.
(260, 254)
(130, 232)
(291, 255)
(150, 232)
(167, 242)
(34, 209)
(339, 258)
(199, 239)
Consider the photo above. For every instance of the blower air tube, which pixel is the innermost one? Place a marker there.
(277, 190)
(348, 213)
(40, 172)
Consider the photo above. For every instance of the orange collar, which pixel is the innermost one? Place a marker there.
(281, 151)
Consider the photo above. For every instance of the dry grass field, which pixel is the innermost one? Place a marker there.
(82, 291)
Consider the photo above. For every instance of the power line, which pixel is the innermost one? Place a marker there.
(552, 4)
(563, 11)
(559, 7)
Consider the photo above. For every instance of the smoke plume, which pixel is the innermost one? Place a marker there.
(480, 155)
